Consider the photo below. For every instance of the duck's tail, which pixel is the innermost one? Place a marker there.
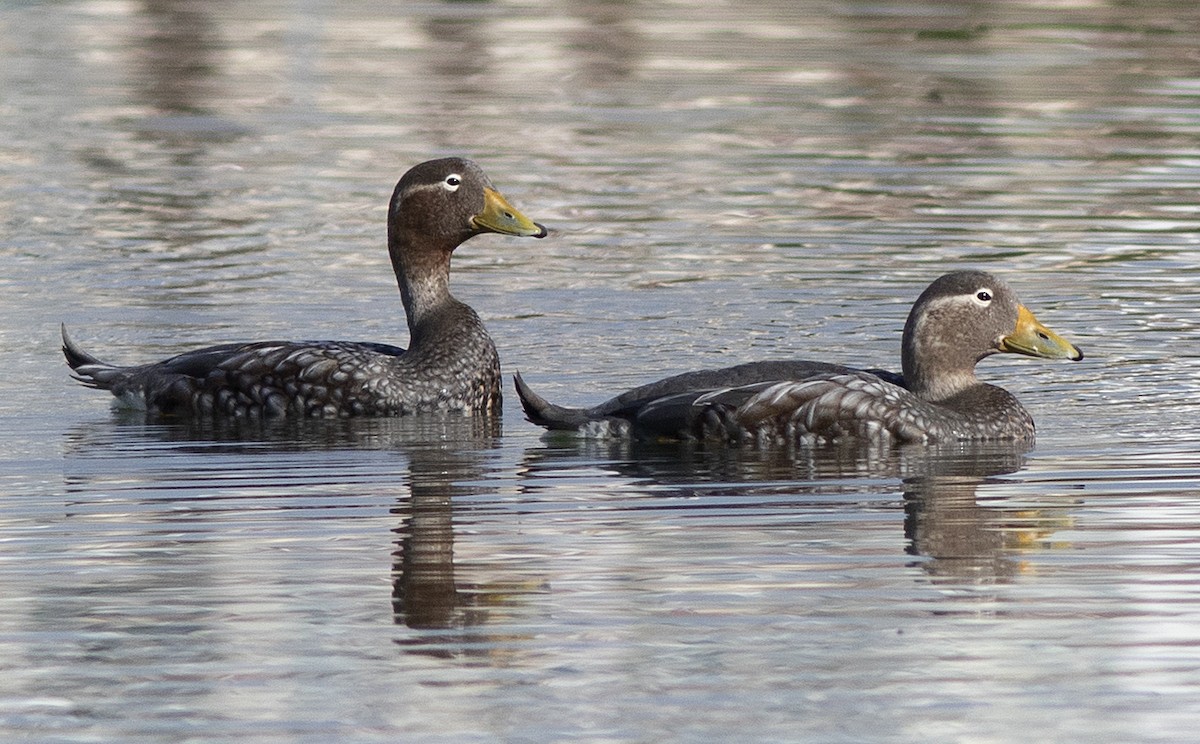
(544, 413)
(86, 368)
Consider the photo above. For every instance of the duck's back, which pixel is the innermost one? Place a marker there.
(307, 378)
(712, 379)
(662, 408)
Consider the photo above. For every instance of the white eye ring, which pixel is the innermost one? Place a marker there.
(983, 297)
(452, 182)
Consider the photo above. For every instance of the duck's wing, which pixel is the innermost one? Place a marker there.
(857, 405)
(612, 417)
(675, 407)
(306, 359)
(260, 378)
(824, 407)
(818, 407)
(862, 406)
(705, 380)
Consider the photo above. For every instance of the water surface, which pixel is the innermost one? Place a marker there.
(724, 182)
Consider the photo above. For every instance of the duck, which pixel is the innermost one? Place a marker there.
(960, 318)
(451, 363)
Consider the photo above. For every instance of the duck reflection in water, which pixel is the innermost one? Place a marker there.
(428, 590)
(958, 540)
(289, 467)
(964, 542)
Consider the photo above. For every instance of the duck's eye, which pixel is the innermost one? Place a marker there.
(452, 182)
(983, 296)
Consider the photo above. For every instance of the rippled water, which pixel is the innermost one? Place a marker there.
(724, 182)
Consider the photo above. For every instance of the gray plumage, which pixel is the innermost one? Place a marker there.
(960, 319)
(451, 363)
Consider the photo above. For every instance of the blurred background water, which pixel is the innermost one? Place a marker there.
(724, 182)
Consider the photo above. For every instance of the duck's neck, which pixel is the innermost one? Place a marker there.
(933, 369)
(424, 279)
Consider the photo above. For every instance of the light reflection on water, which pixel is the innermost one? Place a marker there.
(725, 182)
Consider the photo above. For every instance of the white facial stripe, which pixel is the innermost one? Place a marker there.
(950, 300)
(962, 299)
(443, 185)
(425, 187)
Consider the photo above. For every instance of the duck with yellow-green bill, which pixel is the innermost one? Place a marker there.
(450, 364)
(960, 319)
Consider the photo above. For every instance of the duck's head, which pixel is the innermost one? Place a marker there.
(441, 203)
(963, 317)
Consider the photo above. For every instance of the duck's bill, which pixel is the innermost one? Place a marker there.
(499, 216)
(1034, 339)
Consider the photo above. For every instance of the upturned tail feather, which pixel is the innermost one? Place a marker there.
(542, 412)
(86, 368)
